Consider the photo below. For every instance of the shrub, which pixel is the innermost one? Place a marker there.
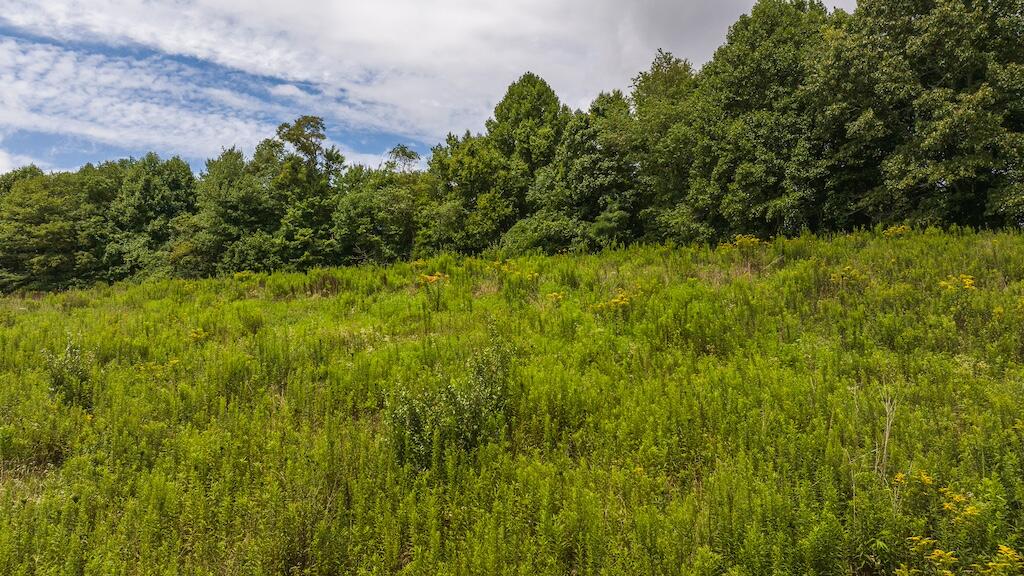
(458, 413)
(69, 370)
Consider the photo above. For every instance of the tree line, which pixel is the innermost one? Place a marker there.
(906, 111)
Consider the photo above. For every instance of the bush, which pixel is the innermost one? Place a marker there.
(69, 372)
(460, 414)
(548, 232)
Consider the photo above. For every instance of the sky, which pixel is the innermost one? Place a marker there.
(92, 80)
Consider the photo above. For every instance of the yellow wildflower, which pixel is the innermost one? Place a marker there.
(895, 231)
(1010, 553)
(747, 241)
(961, 282)
(942, 559)
(431, 279)
(621, 300)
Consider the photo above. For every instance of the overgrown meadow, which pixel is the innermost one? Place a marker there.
(849, 405)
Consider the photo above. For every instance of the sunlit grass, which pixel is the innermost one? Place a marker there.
(849, 405)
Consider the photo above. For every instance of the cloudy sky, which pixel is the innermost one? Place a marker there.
(88, 80)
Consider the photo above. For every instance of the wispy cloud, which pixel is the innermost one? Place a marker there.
(143, 103)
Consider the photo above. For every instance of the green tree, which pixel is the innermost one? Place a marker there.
(750, 126)
(153, 194)
(376, 216)
(54, 228)
(485, 179)
(661, 145)
(920, 108)
(8, 180)
(238, 212)
(587, 195)
(307, 181)
(471, 207)
(528, 123)
(403, 158)
(526, 129)
(273, 211)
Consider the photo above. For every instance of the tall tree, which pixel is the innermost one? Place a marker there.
(376, 216)
(54, 228)
(919, 106)
(273, 211)
(152, 195)
(528, 122)
(750, 125)
(526, 129)
(472, 206)
(587, 195)
(9, 179)
(662, 145)
(238, 212)
(485, 179)
(308, 177)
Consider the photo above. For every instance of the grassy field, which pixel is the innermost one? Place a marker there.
(808, 406)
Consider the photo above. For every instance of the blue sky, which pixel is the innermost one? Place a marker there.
(90, 80)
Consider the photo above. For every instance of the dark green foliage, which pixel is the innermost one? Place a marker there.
(476, 201)
(8, 180)
(587, 195)
(485, 179)
(527, 124)
(152, 196)
(662, 140)
(920, 103)
(276, 210)
(237, 210)
(376, 218)
(307, 178)
(54, 230)
(376, 222)
(750, 125)
(547, 231)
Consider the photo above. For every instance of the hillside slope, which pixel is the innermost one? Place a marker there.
(851, 405)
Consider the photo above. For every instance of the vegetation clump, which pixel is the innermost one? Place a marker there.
(69, 373)
(456, 414)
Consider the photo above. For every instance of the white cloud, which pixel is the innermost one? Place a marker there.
(410, 67)
(9, 161)
(354, 157)
(144, 104)
(147, 104)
